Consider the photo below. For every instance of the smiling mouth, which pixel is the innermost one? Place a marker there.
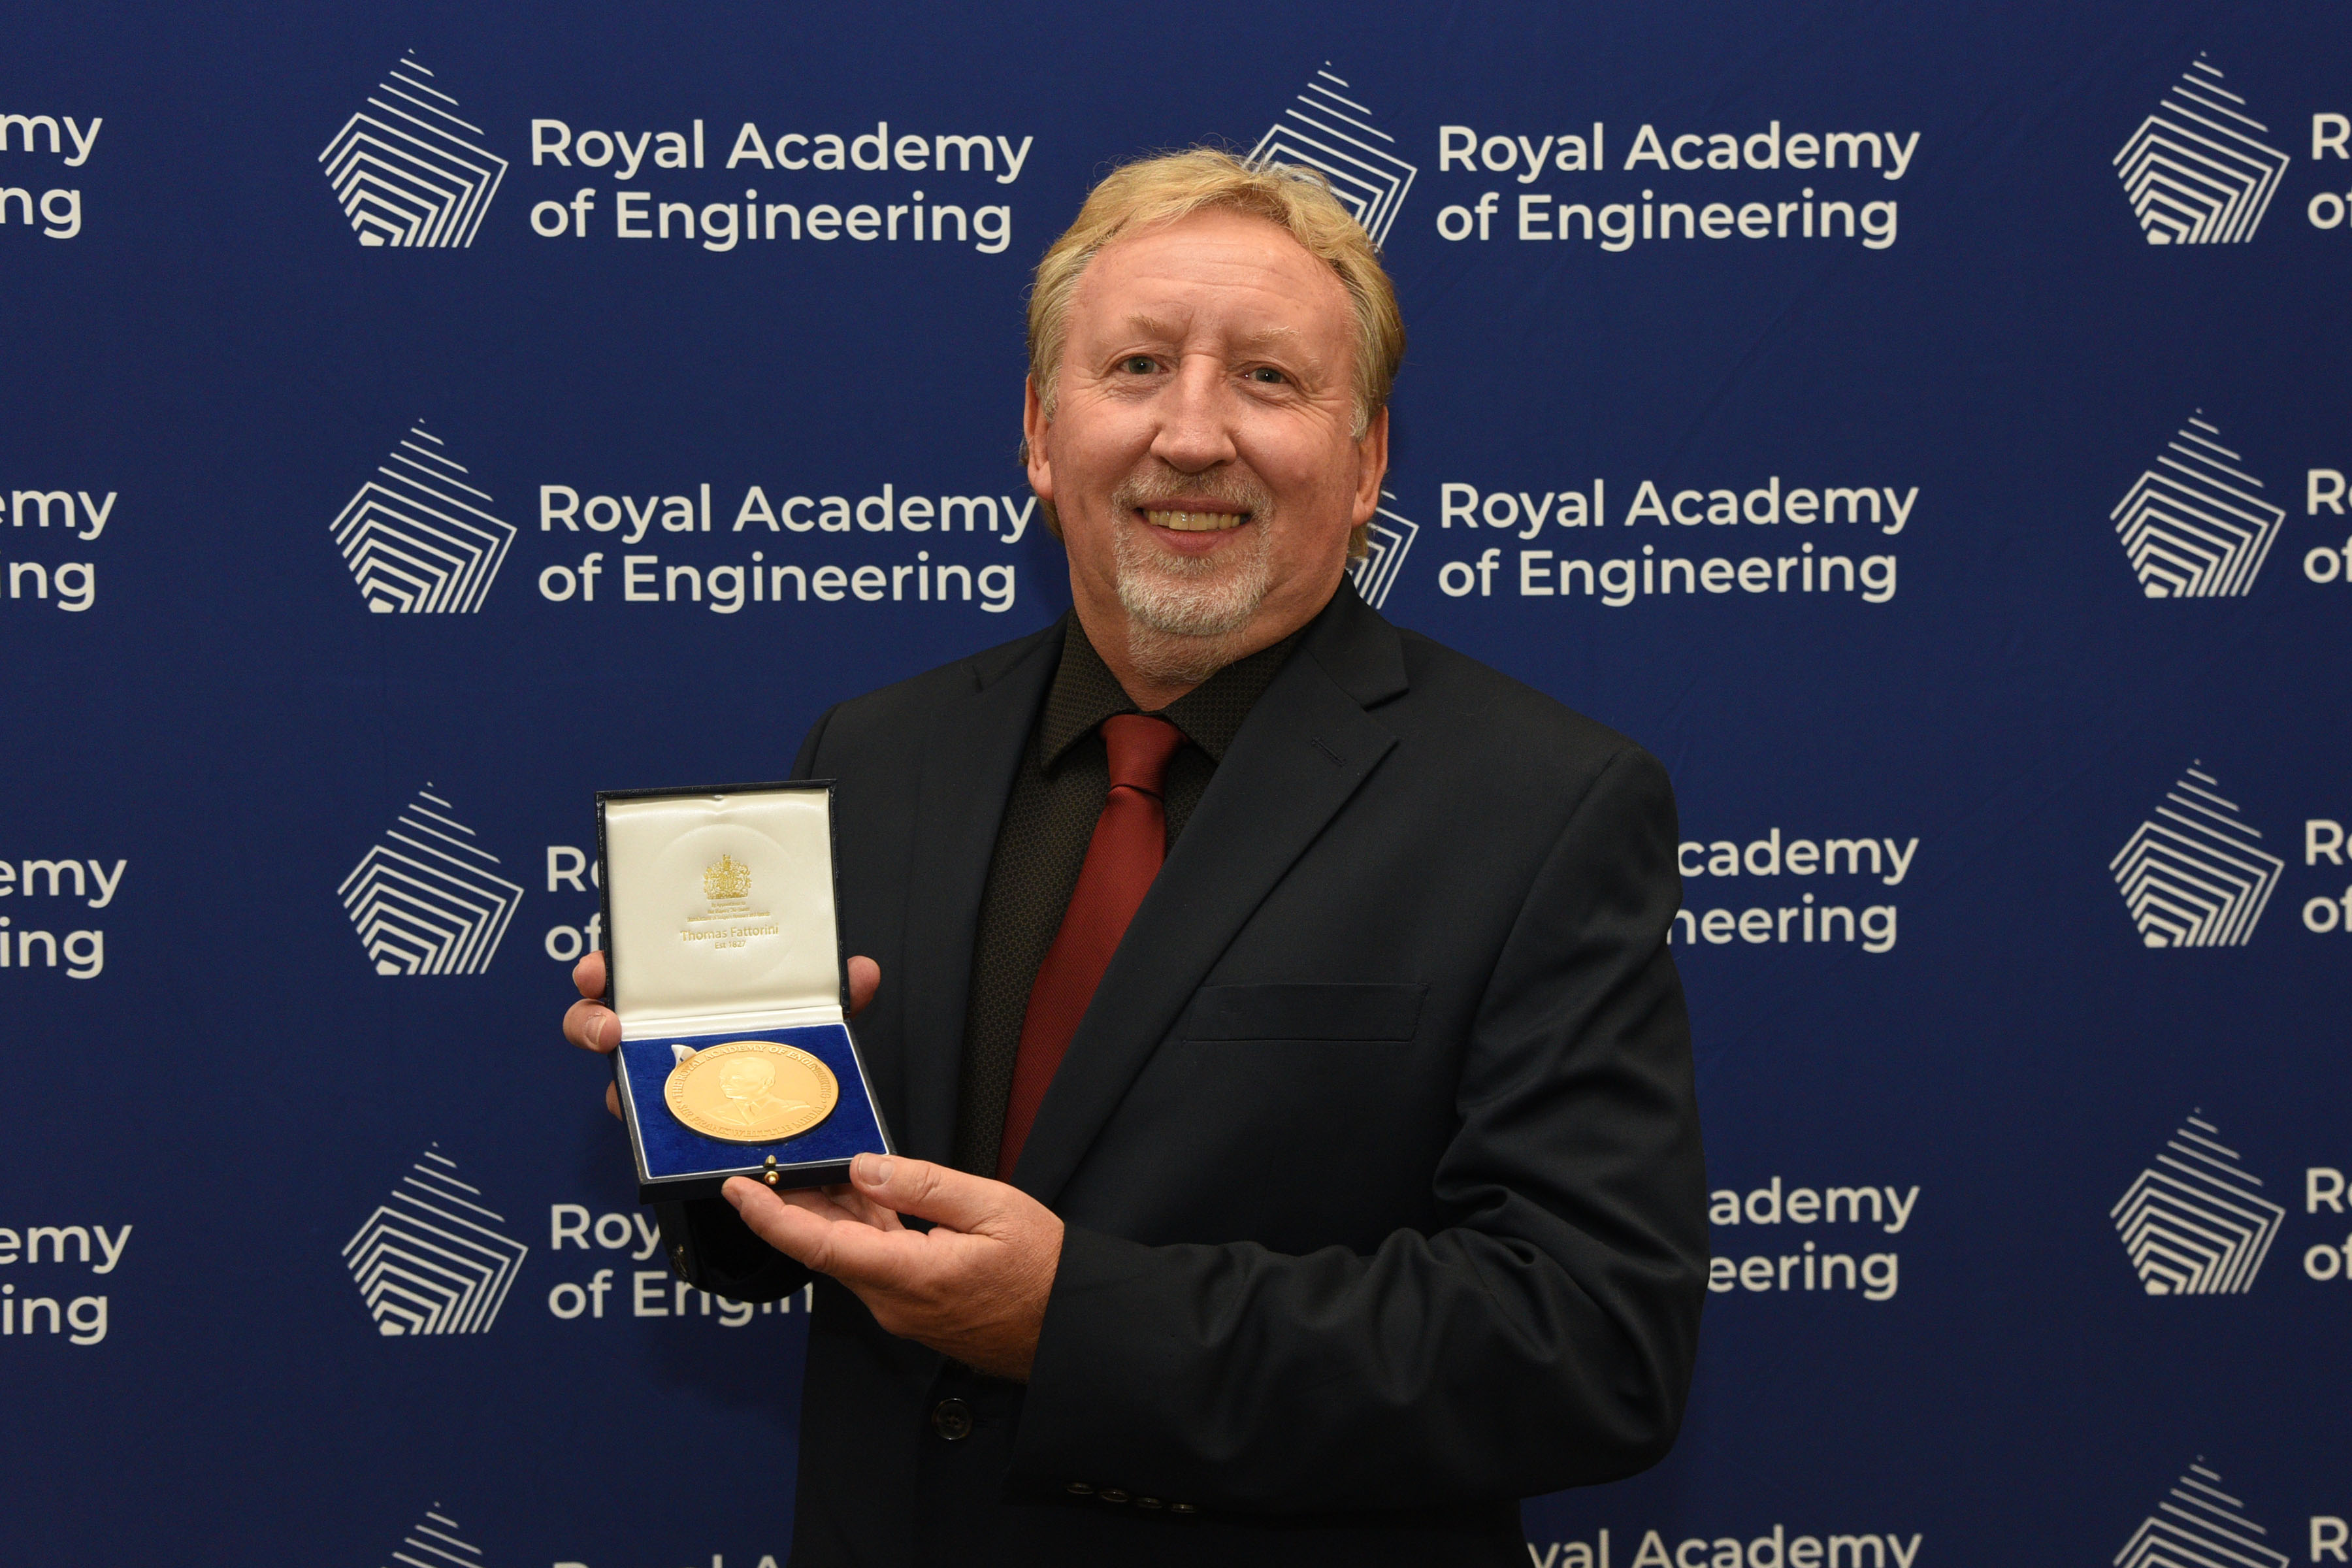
(1194, 522)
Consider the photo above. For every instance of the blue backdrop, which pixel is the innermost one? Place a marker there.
(1845, 401)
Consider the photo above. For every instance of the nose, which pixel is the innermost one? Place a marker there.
(1195, 430)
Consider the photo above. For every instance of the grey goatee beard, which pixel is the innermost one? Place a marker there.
(1183, 612)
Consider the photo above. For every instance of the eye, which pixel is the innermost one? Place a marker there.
(1266, 375)
(1139, 365)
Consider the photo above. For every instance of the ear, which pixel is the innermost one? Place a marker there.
(1034, 425)
(1371, 467)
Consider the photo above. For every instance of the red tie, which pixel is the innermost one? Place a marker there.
(1130, 840)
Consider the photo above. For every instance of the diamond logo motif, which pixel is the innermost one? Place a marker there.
(404, 169)
(433, 1543)
(416, 537)
(424, 899)
(2194, 171)
(1329, 131)
(2199, 1525)
(2195, 526)
(431, 1259)
(2195, 874)
(1386, 538)
(2196, 1223)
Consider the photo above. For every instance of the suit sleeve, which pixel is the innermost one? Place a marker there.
(1543, 1339)
(706, 1241)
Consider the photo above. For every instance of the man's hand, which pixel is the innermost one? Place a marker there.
(591, 1023)
(973, 1287)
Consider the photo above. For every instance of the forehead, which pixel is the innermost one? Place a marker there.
(1217, 272)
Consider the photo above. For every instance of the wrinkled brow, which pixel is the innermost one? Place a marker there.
(1158, 327)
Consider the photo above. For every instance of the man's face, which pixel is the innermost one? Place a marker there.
(1201, 453)
(741, 1079)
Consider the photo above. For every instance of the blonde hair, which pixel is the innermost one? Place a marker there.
(1171, 186)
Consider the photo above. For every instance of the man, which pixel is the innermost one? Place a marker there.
(746, 1083)
(1316, 1193)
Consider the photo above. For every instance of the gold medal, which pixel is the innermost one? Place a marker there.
(752, 1092)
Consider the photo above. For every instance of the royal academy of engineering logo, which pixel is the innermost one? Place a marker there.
(2195, 170)
(1327, 131)
(432, 1260)
(2195, 1223)
(434, 1542)
(424, 899)
(2198, 1524)
(1386, 538)
(2196, 526)
(407, 170)
(418, 538)
(2196, 874)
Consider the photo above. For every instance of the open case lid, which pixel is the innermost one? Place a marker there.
(718, 908)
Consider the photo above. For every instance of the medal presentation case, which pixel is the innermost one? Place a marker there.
(723, 955)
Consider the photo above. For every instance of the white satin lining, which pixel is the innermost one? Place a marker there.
(685, 962)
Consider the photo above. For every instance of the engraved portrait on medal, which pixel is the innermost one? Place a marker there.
(750, 1091)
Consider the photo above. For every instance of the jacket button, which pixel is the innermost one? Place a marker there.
(1112, 1494)
(1183, 1508)
(1079, 1489)
(951, 1419)
(1147, 1502)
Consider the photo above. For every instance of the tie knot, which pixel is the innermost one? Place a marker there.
(1140, 750)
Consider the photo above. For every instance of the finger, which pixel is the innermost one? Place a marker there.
(865, 979)
(847, 1251)
(940, 1194)
(833, 1206)
(592, 1025)
(766, 1214)
(843, 1203)
(589, 974)
(865, 1208)
(612, 1100)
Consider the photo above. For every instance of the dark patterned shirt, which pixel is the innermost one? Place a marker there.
(1042, 843)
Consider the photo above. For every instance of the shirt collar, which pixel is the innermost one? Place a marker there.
(1084, 693)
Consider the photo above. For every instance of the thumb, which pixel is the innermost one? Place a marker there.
(939, 1194)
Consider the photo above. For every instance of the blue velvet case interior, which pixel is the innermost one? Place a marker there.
(668, 1150)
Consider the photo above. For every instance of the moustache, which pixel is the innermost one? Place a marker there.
(1146, 491)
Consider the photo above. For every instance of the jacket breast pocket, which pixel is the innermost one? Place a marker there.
(1303, 1012)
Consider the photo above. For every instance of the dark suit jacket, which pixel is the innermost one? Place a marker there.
(1377, 1147)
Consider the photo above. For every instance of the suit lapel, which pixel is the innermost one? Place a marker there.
(970, 757)
(1304, 751)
